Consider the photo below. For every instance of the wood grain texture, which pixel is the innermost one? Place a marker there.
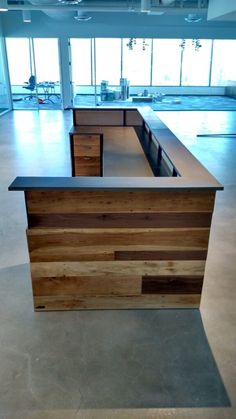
(161, 255)
(118, 237)
(172, 284)
(87, 154)
(65, 302)
(56, 253)
(91, 150)
(122, 220)
(85, 286)
(118, 268)
(64, 202)
(87, 166)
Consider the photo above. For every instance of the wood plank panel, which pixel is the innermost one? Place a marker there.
(145, 301)
(86, 154)
(91, 150)
(87, 166)
(118, 237)
(161, 255)
(172, 284)
(117, 268)
(98, 117)
(120, 285)
(116, 220)
(55, 253)
(50, 202)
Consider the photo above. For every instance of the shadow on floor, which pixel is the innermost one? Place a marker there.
(102, 359)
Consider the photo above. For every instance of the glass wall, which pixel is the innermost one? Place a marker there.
(223, 62)
(196, 62)
(81, 56)
(108, 60)
(137, 61)
(4, 94)
(81, 61)
(166, 62)
(34, 73)
(148, 64)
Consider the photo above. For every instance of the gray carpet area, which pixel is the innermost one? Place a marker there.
(169, 103)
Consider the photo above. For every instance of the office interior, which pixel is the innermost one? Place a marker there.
(178, 58)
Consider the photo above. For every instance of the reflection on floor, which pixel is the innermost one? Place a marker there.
(168, 103)
(51, 102)
(3, 110)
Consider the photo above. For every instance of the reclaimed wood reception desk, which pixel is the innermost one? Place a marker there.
(115, 241)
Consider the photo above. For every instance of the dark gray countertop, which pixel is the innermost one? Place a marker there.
(193, 175)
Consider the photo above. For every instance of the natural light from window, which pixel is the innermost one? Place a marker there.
(166, 62)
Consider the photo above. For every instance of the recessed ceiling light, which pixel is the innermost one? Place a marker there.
(193, 18)
(71, 2)
(26, 14)
(82, 17)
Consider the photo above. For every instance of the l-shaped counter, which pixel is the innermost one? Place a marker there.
(135, 234)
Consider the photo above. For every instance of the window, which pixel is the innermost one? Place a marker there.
(223, 63)
(19, 56)
(137, 62)
(196, 62)
(108, 60)
(166, 62)
(81, 61)
(46, 59)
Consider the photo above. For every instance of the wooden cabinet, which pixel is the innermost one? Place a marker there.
(87, 154)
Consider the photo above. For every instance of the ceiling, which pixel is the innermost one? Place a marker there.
(84, 10)
(103, 6)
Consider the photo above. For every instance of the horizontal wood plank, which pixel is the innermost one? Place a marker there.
(116, 220)
(118, 237)
(144, 301)
(120, 285)
(50, 202)
(172, 284)
(55, 253)
(161, 255)
(117, 268)
(87, 150)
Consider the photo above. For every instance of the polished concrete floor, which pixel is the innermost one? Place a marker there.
(116, 364)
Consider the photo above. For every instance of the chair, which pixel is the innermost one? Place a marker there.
(31, 85)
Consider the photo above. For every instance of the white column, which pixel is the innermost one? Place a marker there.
(66, 86)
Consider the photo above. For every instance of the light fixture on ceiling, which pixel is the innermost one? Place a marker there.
(82, 17)
(26, 15)
(192, 18)
(196, 44)
(133, 42)
(70, 2)
(3, 6)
